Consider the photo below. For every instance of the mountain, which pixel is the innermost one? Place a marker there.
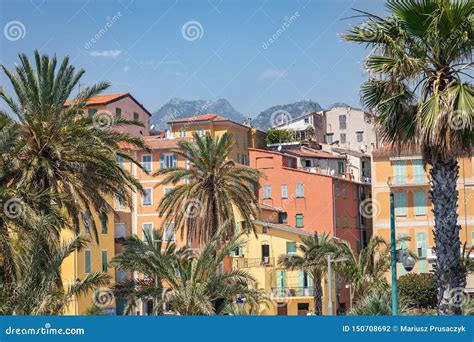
(178, 108)
(270, 116)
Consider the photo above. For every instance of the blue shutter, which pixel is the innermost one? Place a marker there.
(420, 203)
(87, 261)
(418, 171)
(175, 160)
(401, 204)
(162, 161)
(400, 172)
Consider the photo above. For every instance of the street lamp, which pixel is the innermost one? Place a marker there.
(393, 250)
(330, 261)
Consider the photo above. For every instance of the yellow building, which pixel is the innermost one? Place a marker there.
(404, 175)
(244, 136)
(291, 292)
(94, 258)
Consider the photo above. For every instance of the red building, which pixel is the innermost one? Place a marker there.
(313, 201)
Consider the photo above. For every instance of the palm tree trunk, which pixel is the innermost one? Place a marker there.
(317, 294)
(8, 264)
(449, 275)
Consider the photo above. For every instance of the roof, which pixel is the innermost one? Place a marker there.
(394, 151)
(306, 152)
(155, 143)
(264, 206)
(107, 99)
(206, 117)
(283, 227)
(350, 152)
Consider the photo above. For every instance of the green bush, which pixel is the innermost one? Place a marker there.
(275, 136)
(418, 290)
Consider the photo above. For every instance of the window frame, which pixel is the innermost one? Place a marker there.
(151, 197)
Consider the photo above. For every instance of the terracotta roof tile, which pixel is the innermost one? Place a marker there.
(204, 117)
(100, 99)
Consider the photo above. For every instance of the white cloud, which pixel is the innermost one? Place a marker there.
(106, 53)
(273, 74)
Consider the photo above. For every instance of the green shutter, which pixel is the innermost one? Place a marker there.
(87, 261)
(299, 220)
(401, 204)
(300, 282)
(290, 247)
(238, 227)
(420, 203)
(422, 266)
(104, 261)
(472, 238)
(421, 245)
(418, 171)
(400, 172)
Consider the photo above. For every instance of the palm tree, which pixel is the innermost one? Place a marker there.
(38, 286)
(206, 193)
(312, 260)
(376, 303)
(365, 271)
(152, 258)
(419, 89)
(58, 149)
(198, 286)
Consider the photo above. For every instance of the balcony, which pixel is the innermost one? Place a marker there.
(285, 292)
(254, 262)
(409, 180)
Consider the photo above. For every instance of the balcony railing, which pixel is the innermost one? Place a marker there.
(409, 180)
(285, 292)
(254, 262)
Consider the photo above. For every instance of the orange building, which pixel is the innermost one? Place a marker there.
(313, 202)
(404, 175)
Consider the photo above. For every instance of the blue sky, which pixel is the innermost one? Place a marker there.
(243, 50)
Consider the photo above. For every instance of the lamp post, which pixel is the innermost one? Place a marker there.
(393, 251)
(330, 261)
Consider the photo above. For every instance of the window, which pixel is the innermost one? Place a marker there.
(360, 136)
(238, 157)
(244, 159)
(284, 191)
(420, 203)
(119, 160)
(299, 190)
(147, 228)
(290, 247)
(146, 162)
(402, 241)
(282, 218)
(421, 245)
(200, 132)
(299, 220)
(118, 111)
(306, 120)
(167, 189)
(147, 196)
(344, 192)
(182, 133)
(336, 189)
(329, 138)
(237, 140)
(87, 261)
(136, 116)
(104, 261)
(341, 167)
(267, 191)
(118, 204)
(418, 171)
(238, 227)
(342, 140)
(354, 194)
(168, 160)
(401, 204)
(338, 221)
(342, 122)
(103, 222)
(169, 233)
(346, 221)
(400, 172)
(92, 112)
